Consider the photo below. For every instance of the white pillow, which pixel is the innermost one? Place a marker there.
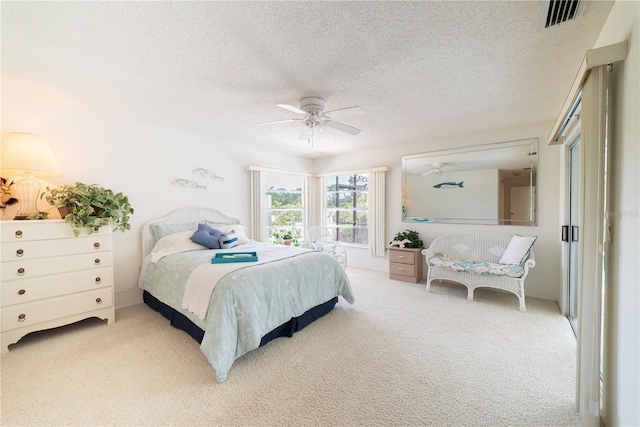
(519, 247)
(238, 228)
(174, 243)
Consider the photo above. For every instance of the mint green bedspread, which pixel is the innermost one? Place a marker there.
(249, 302)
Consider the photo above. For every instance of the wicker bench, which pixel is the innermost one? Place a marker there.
(473, 259)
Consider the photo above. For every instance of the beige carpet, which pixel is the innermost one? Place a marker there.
(399, 356)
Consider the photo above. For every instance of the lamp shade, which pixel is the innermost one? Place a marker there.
(24, 153)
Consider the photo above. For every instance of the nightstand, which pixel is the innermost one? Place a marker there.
(51, 278)
(405, 264)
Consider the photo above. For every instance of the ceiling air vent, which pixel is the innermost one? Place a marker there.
(554, 12)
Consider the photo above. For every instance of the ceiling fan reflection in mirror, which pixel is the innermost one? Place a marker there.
(314, 116)
(439, 169)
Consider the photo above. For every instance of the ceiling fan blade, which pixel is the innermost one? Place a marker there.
(342, 127)
(291, 108)
(343, 112)
(279, 121)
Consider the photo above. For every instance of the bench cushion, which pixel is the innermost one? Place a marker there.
(476, 267)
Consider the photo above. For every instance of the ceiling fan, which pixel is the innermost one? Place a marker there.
(314, 116)
(439, 169)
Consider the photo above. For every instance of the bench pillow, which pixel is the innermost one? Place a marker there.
(517, 250)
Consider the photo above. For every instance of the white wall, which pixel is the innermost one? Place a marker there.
(622, 330)
(140, 161)
(543, 279)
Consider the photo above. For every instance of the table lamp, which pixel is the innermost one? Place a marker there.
(29, 157)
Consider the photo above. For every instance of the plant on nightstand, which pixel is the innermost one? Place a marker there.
(90, 206)
(407, 239)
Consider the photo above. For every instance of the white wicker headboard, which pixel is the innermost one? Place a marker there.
(186, 215)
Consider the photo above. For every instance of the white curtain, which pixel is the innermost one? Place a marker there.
(592, 83)
(376, 214)
(315, 205)
(594, 130)
(257, 207)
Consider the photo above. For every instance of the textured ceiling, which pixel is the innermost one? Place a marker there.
(420, 70)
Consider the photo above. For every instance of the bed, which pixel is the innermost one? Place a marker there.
(233, 308)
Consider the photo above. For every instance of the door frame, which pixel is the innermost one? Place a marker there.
(571, 135)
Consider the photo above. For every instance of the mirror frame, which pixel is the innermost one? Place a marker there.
(487, 158)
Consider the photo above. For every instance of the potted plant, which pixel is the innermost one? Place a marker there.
(90, 206)
(287, 236)
(407, 239)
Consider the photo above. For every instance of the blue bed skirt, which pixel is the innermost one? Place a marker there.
(287, 329)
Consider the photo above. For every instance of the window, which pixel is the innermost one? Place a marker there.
(347, 207)
(284, 197)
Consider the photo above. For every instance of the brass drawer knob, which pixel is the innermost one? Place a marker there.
(96, 245)
(21, 271)
(401, 256)
(98, 300)
(96, 261)
(98, 280)
(401, 269)
(18, 234)
(19, 252)
(21, 292)
(21, 317)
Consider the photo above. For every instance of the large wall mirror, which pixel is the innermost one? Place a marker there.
(485, 184)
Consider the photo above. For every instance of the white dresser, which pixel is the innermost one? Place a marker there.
(51, 278)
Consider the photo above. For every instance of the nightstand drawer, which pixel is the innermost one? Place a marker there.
(25, 269)
(21, 315)
(402, 257)
(23, 291)
(402, 269)
(14, 250)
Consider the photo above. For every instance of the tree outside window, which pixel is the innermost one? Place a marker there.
(347, 208)
(284, 199)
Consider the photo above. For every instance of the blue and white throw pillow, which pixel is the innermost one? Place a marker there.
(229, 240)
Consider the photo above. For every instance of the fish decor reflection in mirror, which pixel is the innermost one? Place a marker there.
(448, 185)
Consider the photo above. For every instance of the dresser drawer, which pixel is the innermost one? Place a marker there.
(402, 257)
(25, 269)
(16, 250)
(402, 269)
(18, 316)
(22, 291)
(12, 231)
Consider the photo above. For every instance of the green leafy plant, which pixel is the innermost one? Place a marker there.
(286, 234)
(90, 206)
(39, 215)
(400, 240)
